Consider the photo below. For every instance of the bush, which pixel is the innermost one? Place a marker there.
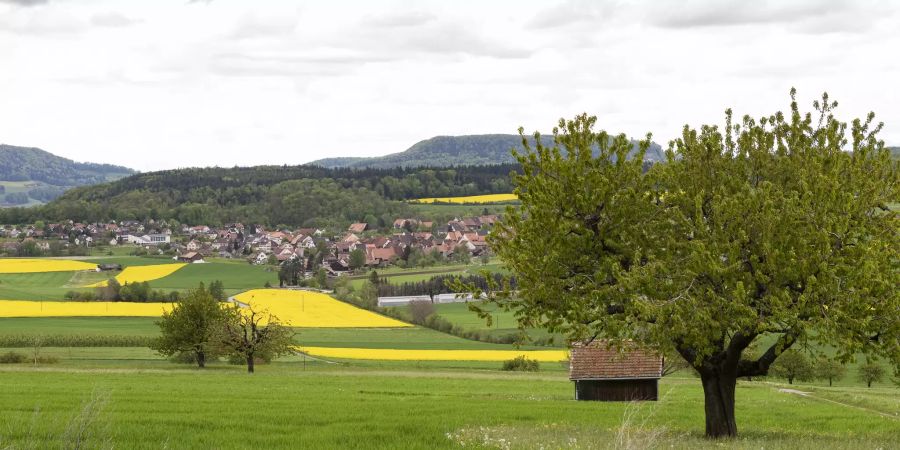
(521, 364)
(420, 310)
(46, 360)
(12, 358)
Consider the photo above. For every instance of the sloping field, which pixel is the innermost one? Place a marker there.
(139, 274)
(16, 265)
(490, 198)
(314, 310)
(435, 355)
(21, 308)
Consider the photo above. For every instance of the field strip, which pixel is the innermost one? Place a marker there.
(24, 308)
(30, 265)
(489, 198)
(811, 395)
(306, 309)
(139, 274)
(434, 355)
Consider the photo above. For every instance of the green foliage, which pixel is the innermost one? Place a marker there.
(217, 291)
(871, 372)
(74, 340)
(521, 364)
(191, 326)
(829, 369)
(774, 227)
(243, 335)
(13, 358)
(793, 365)
(357, 259)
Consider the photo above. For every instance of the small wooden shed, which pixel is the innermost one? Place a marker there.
(606, 373)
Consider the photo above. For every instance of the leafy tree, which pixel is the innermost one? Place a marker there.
(357, 259)
(191, 326)
(792, 365)
(870, 372)
(829, 369)
(419, 310)
(217, 291)
(776, 227)
(244, 335)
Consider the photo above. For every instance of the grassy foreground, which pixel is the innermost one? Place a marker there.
(335, 406)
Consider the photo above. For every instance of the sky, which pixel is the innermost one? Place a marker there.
(164, 84)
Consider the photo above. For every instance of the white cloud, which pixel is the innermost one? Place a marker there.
(169, 83)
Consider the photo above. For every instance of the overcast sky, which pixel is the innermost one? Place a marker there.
(163, 84)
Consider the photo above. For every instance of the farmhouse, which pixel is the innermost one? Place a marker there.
(604, 373)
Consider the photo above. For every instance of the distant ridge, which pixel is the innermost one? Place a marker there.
(31, 176)
(444, 151)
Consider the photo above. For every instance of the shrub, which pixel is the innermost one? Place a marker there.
(12, 358)
(420, 310)
(521, 364)
(46, 360)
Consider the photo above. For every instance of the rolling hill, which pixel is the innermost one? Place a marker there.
(444, 151)
(30, 176)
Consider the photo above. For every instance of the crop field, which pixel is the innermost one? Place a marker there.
(25, 308)
(235, 276)
(490, 198)
(312, 309)
(138, 274)
(316, 405)
(23, 265)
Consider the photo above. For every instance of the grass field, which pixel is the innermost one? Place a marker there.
(236, 276)
(335, 406)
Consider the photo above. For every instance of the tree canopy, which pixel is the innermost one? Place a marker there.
(775, 227)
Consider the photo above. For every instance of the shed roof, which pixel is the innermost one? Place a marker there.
(597, 361)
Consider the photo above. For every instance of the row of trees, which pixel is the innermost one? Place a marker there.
(201, 327)
(139, 292)
(795, 365)
(441, 284)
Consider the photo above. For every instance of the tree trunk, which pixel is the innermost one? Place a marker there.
(250, 362)
(829, 382)
(201, 359)
(718, 393)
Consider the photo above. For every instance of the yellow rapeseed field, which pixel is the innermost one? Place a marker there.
(491, 198)
(16, 265)
(435, 355)
(314, 310)
(136, 274)
(21, 308)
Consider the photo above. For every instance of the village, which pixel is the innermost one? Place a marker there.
(410, 242)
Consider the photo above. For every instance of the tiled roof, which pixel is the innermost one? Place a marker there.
(595, 361)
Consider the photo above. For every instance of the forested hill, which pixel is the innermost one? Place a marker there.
(31, 176)
(441, 151)
(269, 195)
(895, 152)
(34, 164)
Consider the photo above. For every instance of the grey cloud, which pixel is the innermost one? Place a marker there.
(800, 14)
(573, 12)
(286, 64)
(256, 27)
(25, 3)
(407, 19)
(112, 19)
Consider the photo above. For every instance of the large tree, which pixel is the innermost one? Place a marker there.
(190, 326)
(774, 232)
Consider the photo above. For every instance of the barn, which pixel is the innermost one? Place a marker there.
(605, 373)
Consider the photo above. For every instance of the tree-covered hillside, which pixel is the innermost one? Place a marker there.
(271, 195)
(31, 176)
(34, 164)
(441, 151)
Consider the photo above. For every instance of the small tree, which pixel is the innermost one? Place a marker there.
(871, 372)
(792, 365)
(244, 335)
(357, 259)
(829, 369)
(419, 310)
(190, 326)
(217, 291)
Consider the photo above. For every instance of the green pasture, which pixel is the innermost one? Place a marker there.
(236, 276)
(318, 405)
(445, 212)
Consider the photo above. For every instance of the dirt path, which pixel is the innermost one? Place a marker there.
(811, 395)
